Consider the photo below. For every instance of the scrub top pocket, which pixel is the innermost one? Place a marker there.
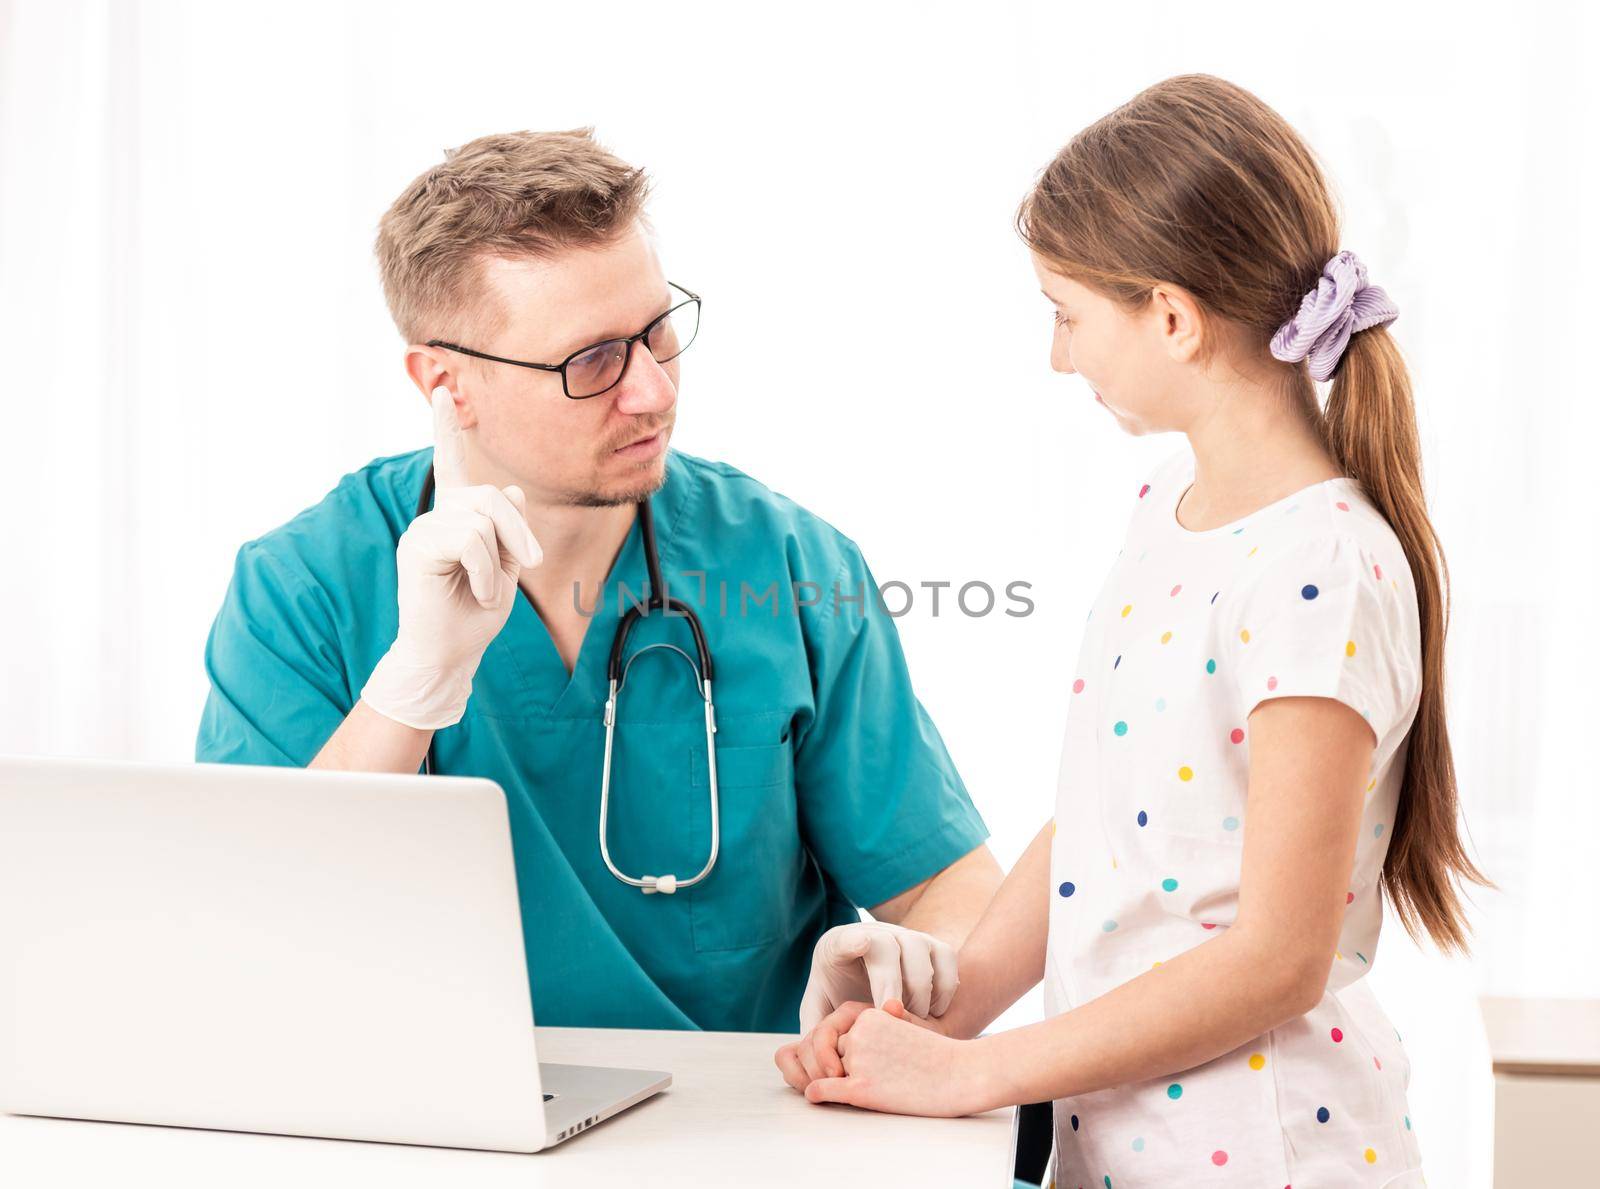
(750, 895)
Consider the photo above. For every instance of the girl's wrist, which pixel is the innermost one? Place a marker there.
(985, 1081)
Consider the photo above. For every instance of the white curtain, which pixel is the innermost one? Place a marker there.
(195, 345)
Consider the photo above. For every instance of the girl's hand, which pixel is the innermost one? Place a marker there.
(902, 1064)
(816, 1054)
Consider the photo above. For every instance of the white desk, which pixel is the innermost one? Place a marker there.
(729, 1119)
(1546, 1055)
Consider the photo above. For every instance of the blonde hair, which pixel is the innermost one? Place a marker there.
(511, 194)
(1198, 183)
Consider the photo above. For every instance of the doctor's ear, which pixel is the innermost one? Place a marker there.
(430, 368)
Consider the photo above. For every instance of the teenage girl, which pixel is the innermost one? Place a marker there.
(1256, 755)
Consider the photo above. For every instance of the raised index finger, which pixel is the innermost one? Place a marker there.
(449, 443)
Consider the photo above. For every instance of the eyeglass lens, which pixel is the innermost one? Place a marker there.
(598, 368)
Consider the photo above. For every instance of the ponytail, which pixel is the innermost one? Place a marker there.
(1370, 428)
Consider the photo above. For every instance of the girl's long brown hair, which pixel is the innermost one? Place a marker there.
(1196, 182)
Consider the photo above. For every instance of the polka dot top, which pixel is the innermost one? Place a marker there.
(1309, 596)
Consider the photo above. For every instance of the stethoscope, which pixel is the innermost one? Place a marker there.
(617, 677)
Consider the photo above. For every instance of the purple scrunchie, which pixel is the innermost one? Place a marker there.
(1341, 304)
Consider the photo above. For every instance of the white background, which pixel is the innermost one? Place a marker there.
(196, 348)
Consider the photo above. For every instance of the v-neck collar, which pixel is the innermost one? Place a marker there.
(522, 672)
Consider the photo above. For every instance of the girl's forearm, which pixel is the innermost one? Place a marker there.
(1195, 1007)
(1004, 955)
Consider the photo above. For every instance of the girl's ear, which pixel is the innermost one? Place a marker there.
(1179, 322)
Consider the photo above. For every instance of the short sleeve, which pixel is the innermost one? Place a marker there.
(278, 686)
(881, 804)
(1325, 620)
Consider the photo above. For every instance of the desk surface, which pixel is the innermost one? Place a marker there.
(1547, 1037)
(728, 1119)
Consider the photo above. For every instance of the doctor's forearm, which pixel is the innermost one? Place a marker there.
(370, 742)
(954, 901)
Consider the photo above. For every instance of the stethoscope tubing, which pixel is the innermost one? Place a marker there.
(657, 600)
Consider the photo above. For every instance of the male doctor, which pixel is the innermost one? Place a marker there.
(521, 274)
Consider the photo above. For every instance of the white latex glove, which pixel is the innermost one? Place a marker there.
(877, 962)
(457, 566)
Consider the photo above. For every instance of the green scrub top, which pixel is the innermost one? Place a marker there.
(835, 788)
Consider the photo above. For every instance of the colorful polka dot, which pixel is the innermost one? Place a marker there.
(1138, 1144)
(1169, 885)
(1077, 686)
(1109, 927)
(1244, 635)
(1214, 596)
(1252, 552)
(1230, 823)
(1349, 647)
(1144, 818)
(1337, 1034)
(1342, 506)
(1211, 666)
(1349, 897)
(1219, 1158)
(1272, 683)
(1074, 1122)
(1175, 1091)
(1377, 830)
(1143, 491)
(1161, 704)
(1375, 1061)
(1166, 637)
(1067, 889)
(1107, 1180)
(1236, 735)
(1117, 662)
(1126, 611)
(1408, 1122)
(1322, 1114)
(1370, 1156)
(1377, 571)
(1186, 773)
(1308, 592)
(1121, 728)
(1257, 1061)
(1176, 589)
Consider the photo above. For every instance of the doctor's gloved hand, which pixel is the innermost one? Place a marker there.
(457, 566)
(874, 962)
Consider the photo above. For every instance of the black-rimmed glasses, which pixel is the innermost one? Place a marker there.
(597, 368)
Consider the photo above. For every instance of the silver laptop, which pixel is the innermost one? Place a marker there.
(328, 954)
